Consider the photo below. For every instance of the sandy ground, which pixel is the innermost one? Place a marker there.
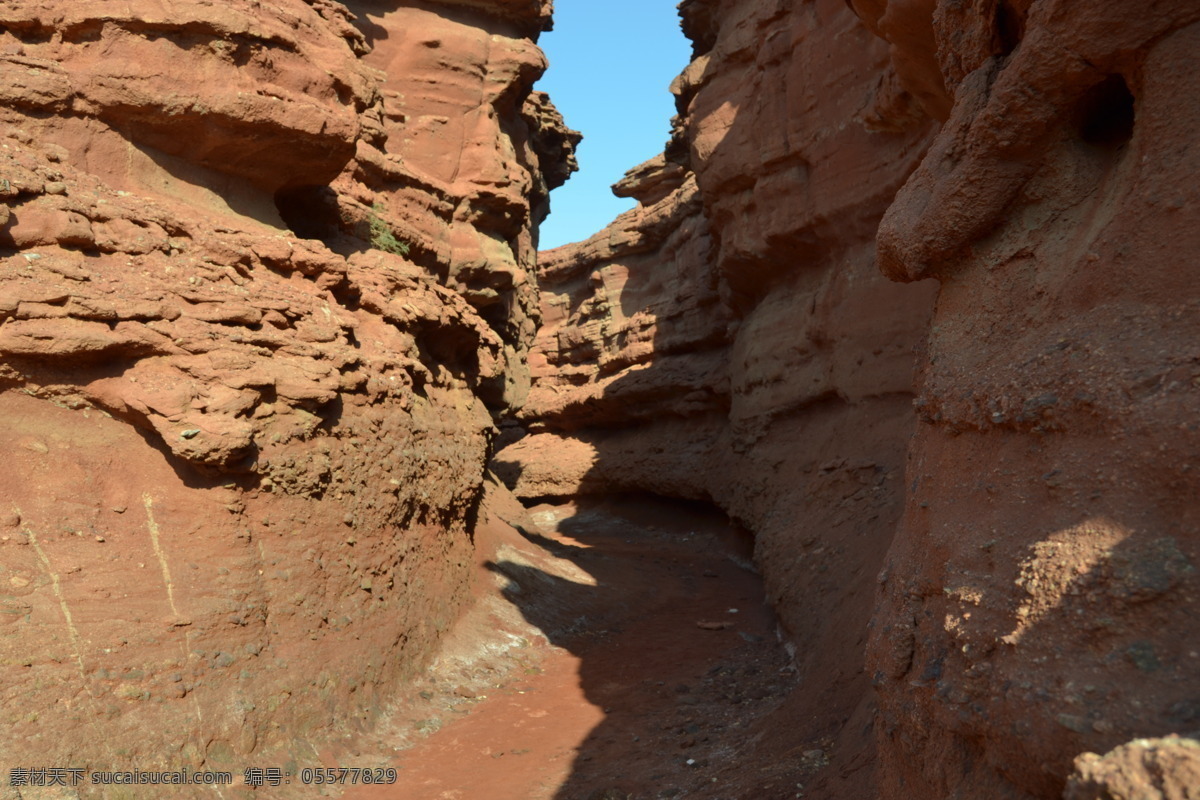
(656, 664)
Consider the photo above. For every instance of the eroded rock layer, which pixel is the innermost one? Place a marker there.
(264, 293)
(732, 338)
(1041, 598)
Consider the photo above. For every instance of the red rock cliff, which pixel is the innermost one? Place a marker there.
(264, 291)
(732, 338)
(1041, 596)
(1028, 518)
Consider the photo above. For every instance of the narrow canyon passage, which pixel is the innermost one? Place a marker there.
(659, 659)
(909, 293)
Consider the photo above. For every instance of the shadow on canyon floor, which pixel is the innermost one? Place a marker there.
(675, 644)
(704, 702)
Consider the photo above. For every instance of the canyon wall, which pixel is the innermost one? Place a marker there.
(1041, 596)
(992, 572)
(907, 295)
(732, 339)
(265, 291)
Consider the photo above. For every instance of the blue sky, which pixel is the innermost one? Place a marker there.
(611, 62)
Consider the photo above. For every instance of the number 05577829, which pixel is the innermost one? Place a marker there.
(334, 775)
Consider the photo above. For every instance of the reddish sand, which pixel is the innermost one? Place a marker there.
(649, 684)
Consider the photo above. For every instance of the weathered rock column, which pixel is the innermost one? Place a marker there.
(1042, 596)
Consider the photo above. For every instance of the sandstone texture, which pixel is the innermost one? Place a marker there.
(907, 295)
(1166, 768)
(1041, 597)
(1012, 542)
(265, 291)
(732, 338)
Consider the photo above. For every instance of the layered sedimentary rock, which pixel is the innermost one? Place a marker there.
(732, 338)
(1041, 599)
(264, 293)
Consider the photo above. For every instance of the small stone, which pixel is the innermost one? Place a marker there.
(190, 433)
(1074, 723)
(131, 692)
(1143, 656)
(99, 538)
(10, 520)
(56, 187)
(713, 626)
(958, 696)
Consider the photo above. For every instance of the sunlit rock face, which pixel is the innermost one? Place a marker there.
(467, 155)
(732, 338)
(264, 293)
(1042, 594)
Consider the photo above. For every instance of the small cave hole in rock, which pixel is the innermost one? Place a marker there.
(1010, 27)
(309, 211)
(1106, 115)
(348, 294)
